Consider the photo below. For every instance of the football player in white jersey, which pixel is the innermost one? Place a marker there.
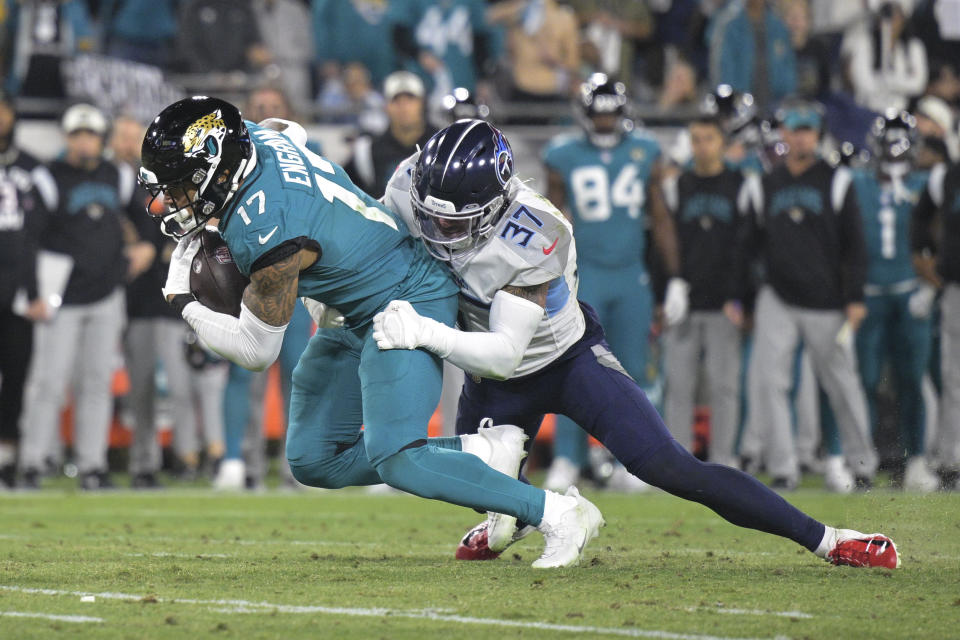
(530, 348)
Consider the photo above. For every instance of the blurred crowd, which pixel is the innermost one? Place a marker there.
(777, 102)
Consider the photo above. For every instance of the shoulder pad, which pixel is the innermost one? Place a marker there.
(535, 231)
(396, 197)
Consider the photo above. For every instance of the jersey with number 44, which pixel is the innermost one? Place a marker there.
(532, 244)
(606, 193)
(886, 210)
(295, 199)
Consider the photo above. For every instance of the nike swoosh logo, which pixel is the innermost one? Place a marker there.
(548, 250)
(263, 239)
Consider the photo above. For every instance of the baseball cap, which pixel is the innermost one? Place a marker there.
(936, 109)
(402, 82)
(84, 117)
(801, 117)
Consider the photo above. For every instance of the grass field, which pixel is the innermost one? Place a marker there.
(190, 563)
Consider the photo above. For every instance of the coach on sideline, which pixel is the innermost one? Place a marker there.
(808, 233)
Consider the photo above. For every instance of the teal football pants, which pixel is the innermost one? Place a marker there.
(890, 332)
(344, 381)
(622, 300)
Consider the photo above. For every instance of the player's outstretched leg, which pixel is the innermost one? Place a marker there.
(615, 411)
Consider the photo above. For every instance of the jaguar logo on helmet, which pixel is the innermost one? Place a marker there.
(504, 160)
(205, 135)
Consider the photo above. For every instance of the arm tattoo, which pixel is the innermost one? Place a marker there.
(272, 292)
(536, 294)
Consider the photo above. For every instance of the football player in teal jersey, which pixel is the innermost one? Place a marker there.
(605, 179)
(898, 323)
(297, 226)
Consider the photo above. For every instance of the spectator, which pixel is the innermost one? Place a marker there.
(544, 48)
(812, 53)
(284, 27)
(679, 85)
(349, 98)
(935, 128)
(810, 237)
(47, 32)
(358, 31)
(94, 198)
(750, 50)
(708, 203)
(27, 190)
(140, 30)
(617, 29)
(269, 101)
(219, 35)
(375, 157)
(937, 24)
(154, 332)
(449, 43)
(887, 65)
(935, 240)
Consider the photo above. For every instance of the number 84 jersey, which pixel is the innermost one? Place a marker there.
(531, 245)
(606, 194)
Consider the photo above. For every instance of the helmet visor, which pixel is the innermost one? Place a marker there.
(444, 229)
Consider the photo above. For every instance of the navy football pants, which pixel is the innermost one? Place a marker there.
(592, 389)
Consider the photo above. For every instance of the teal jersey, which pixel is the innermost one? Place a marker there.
(886, 224)
(295, 198)
(447, 28)
(606, 194)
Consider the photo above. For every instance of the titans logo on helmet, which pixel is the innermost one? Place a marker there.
(504, 160)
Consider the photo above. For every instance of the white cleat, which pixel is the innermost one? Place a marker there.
(569, 523)
(623, 481)
(501, 447)
(561, 475)
(231, 475)
(918, 478)
(837, 477)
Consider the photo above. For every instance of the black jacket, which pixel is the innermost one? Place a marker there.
(26, 190)
(808, 234)
(708, 214)
(942, 196)
(92, 222)
(376, 157)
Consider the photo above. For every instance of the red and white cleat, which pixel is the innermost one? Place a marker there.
(864, 550)
(473, 545)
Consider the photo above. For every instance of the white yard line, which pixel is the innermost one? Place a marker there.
(48, 616)
(751, 612)
(246, 606)
(164, 554)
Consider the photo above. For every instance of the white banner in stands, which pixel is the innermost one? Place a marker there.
(118, 86)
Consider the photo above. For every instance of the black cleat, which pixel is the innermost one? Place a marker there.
(30, 479)
(863, 483)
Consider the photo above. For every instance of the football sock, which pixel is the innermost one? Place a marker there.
(453, 476)
(736, 496)
(829, 542)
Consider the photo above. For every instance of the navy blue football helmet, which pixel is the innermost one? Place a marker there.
(893, 137)
(196, 144)
(601, 96)
(460, 184)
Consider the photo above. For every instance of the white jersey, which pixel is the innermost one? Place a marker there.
(531, 245)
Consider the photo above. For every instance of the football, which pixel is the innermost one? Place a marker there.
(214, 278)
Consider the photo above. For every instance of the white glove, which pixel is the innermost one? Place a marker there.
(920, 303)
(677, 301)
(178, 276)
(399, 326)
